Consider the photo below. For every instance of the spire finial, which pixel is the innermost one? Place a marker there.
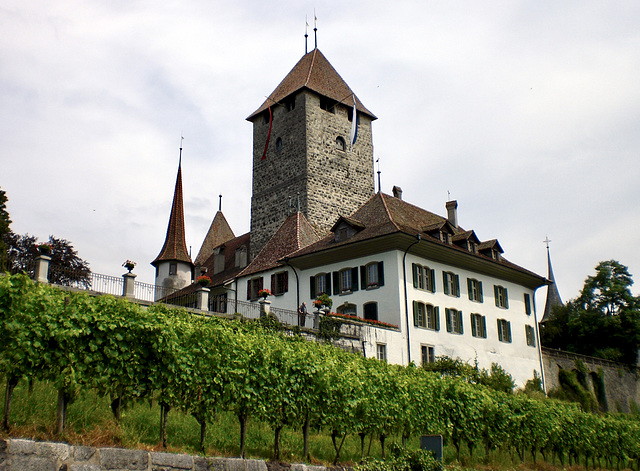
(220, 202)
(546, 241)
(315, 28)
(379, 186)
(306, 36)
(180, 159)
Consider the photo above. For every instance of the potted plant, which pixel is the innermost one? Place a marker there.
(323, 300)
(129, 265)
(44, 248)
(263, 293)
(203, 280)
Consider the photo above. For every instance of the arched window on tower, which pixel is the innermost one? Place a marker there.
(341, 144)
(279, 144)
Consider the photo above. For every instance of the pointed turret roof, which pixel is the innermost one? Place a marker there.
(315, 73)
(175, 246)
(553, 296)
(294, 233)
(219, 233)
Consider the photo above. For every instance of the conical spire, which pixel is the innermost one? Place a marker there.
(175, 246)
(553, 296)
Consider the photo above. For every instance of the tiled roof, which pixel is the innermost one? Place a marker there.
(490, 244)
(466, 235)
(315, 73)
(294, 234)
(219, 233)
(175, 246)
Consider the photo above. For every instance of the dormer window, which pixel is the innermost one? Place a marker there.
(444, 237)
(218, 260)
(346, 228)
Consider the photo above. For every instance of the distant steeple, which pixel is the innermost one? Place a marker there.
(553, 296)
(175, 246)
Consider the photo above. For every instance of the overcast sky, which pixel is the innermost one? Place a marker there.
(527, 112)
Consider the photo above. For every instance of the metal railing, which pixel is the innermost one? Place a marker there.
(149, 292)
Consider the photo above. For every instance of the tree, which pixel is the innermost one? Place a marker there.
(4, 229)
(609, 291)
(66, 267)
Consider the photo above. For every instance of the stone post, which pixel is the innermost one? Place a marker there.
(202, 302)
(42, 268)
(265, 307)
(316, 318)
(129, 285)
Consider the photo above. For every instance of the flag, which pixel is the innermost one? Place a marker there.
(354, 125)
(264, 154)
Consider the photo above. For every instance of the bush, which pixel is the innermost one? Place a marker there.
(402, 459)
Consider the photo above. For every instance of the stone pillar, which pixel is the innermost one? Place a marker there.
(129, 285)
(316, 318)
(42, 268)
(202, 302)
(265, 307)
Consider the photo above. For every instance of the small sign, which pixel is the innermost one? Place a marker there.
(432, 443)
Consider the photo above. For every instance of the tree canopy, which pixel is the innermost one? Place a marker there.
(4, 228)
(604, 321)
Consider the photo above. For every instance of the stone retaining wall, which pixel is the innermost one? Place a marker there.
(29, 455)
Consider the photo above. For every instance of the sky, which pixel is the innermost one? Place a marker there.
(525, 112)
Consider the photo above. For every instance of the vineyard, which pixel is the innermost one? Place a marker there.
(253, 370)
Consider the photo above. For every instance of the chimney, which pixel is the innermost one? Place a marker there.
(397, 192)
(452, 213)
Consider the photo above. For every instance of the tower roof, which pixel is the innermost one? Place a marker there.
(315, 73)
(219, 233)
(175, 247)
(553, 296)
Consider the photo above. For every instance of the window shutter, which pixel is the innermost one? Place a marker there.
(312, 286)
(260, 285)
(248, 290)
(474, 330)
(327, 283)
(480, 296)
(415, 313)
(495, 295)
(414, 268)
(432, 277)
(336, 282)
(470, 289)
(508, 331)
(436, 316)
(380, 274)
(363, 277)
(460, 322)
(499, 330)
(447, 315)
(457, 283)
(506, 298)
(444, 282)
(273, 283)
(285, 282)
(484, 326)
(354, 279)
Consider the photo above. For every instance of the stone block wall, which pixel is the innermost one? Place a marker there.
(29, 455)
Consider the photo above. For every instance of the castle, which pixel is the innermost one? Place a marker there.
(318, 226)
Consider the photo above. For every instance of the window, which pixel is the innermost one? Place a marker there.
(530, 333)
(426, 316)
(424, 278)
(478, 326)
(428, 354)
(291, 103)
(345, 281)
(504, 330)
(475, 290)
(321, 283)
(500, 293)
(327, 104)
(372, 275)
(253, 286)
(278, 144)
(445, 237)
(371, 311)
(381, 351)
(451, 283)
(266, 117)
(341, 144)
(454, 321)
(527, 304)
(173, 268)
(347, 308)
(280, 283)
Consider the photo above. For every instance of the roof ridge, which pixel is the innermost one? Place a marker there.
(313, 61)
(386, 208)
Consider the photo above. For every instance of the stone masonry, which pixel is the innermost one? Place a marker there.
(330, 182)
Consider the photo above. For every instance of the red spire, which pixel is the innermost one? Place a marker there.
(175, 246)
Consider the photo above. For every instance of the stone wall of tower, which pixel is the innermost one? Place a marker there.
(329, 181)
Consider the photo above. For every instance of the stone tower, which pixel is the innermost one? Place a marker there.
(309, 161)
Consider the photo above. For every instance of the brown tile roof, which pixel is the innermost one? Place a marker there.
(294, 234)
(315, 73)
(219, 233)
(175, 246)
(466, 235)
(490, 244)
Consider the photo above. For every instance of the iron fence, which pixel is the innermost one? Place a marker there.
(149, 292)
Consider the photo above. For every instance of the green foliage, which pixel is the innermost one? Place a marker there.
(5, 222)
(329, 328)
(325, 300)
(402, 459)
(496, 378)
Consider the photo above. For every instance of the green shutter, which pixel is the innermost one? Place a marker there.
(474, 331)
(484, 327)
(336, 282)
(415, 313)
(444, 282)
(499, 330)
(380, 274)
(327, 283)
(436, 315)
(456, 279)
(480, 295)
(312, 287)
(414, 268)
(506, 298)
(363, 277)
(470, 289)
(447, 318)
(354, 279)
(509, 332)
(495, 295)
(460, 322)
(432, 277)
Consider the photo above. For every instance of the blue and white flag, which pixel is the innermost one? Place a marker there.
(354, 125)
